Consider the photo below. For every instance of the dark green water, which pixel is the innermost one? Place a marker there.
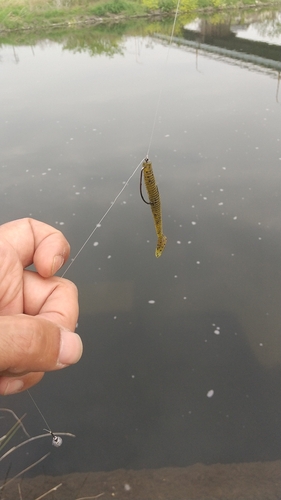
(182, 353)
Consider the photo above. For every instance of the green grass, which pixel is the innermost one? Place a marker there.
(39, 13)
(115, 7)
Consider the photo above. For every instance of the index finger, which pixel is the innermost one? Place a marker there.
(38, 243)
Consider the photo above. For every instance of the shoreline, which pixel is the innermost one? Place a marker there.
(249, 480)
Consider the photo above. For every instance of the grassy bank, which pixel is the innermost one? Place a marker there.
(36, 14)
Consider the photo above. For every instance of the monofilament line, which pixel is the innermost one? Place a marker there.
(35, 404)
(103, 217)
(135, 170)
(56, 440)
(162, 85)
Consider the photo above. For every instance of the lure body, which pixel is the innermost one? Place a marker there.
(155, 204)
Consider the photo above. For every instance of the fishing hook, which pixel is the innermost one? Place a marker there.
(141, 172)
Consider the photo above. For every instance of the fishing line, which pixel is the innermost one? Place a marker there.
(147, 154)
(103, 217)
(56, 440)
(162, 86)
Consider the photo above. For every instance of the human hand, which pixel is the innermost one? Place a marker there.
(38, 311)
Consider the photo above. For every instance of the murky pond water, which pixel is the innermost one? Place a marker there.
(182, 354)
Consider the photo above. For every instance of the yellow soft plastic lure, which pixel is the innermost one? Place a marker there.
(154, 202)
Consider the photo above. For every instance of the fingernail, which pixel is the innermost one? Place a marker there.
(13, 386)
(71, 348)
(57, 263)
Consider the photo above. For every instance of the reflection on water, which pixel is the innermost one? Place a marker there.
(254, 37)
(182, 360)
(254, 25)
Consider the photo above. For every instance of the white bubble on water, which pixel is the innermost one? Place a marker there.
(95, 244)
(210, 393)
(178, 242)
(127, 487)
(61, 223)
(151, 301)
(235, 218)
(193, 223)
(217, 331)
(109, 256)
(77, 193)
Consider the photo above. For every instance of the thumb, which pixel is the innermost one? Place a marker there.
(34, 344)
